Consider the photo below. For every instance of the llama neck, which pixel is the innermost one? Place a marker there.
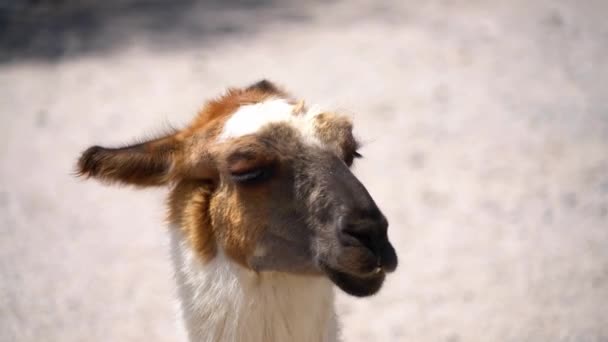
(222, 301)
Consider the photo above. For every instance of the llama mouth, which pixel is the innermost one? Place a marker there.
(356, 285)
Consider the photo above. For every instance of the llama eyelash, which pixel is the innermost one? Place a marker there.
(253, 176)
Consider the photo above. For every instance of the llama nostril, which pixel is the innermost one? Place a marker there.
(352, 237)
(359, 233)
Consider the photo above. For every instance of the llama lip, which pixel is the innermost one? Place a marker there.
(360, 285)
(373, 273)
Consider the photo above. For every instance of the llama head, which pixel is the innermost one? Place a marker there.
(266, 181)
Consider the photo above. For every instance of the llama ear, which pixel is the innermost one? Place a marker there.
(143, 164)
(265, 86)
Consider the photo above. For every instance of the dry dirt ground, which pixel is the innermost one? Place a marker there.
(486, 130)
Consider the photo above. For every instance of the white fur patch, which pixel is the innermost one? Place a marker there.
(222, 301)
(249, 119)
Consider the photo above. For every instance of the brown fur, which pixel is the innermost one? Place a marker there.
(143, 164)
(188, 208)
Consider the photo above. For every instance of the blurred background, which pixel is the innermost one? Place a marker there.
(486, 144)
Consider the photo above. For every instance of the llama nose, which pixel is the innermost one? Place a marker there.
(370, 232)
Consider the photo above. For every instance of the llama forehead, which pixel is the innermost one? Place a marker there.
(250, 119)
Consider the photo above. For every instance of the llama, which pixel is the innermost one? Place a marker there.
(265, 215)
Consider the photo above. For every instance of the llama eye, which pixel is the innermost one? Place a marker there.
(251, 176)
(357, 155)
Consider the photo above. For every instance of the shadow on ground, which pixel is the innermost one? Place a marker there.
(53, 29)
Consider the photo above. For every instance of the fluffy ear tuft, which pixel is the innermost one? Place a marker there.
(145, 164)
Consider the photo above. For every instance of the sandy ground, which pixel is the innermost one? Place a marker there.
(486, 130)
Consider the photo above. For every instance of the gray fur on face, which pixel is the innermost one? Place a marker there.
(315, 198)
